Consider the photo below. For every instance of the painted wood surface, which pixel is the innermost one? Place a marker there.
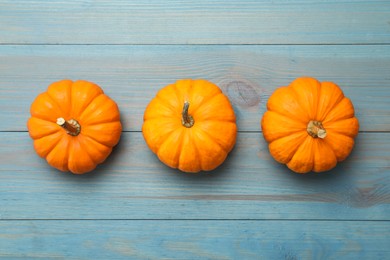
(194, 239)
(133, 206)
(134, 184)
(195, 22)
(248, 75)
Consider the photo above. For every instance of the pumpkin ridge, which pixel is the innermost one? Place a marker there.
(96, 140)
(85, 109)
(285, 116)
(227, 150)
(345, 116)
(197, 153)
(308, 140)
(146, 135)
(158, 119)
(295, 151)
(47, 134)
(292, 115)
(165, 103)
(102, 109)
(218, 120)
(340, 98)
(272, 132)
(92, 138)
(331, 126)
(50, 144)
(167, 136)
(68, 150)
(88, 138)
(155, 117)
(295, 117)
(92, 158)
(103, 151)
(53, 100)
(101, 123)
(307, 115)
(288, 134)
(178, 91)
(316, 155)
(341, 152)
(212, 139)
(207, 100)
(65, 151)
(70, 105)
(302, 137)
(179, 163)
(210, 111)
(307, 91)
(31, 125)
(269, 116)
(74, 165)
(46, 96)
(177, 155)
(85, 104)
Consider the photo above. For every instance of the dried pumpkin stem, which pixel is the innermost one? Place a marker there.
(316, 129)
(187, 120)
(71, 126)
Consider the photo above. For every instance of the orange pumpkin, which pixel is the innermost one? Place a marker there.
(309, 125)
(190, 125)
(74, 125)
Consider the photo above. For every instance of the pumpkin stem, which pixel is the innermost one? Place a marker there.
(187, 120)
(316, 129)
(71, 126)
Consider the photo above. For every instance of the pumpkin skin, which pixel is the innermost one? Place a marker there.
(190, 125)
(309, 125)
(74, 125)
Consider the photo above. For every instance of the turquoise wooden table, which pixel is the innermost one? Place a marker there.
(133, 206)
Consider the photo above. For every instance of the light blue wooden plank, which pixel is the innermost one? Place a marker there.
(134, 184)
(194, 22)
(194, 240)
(247, 74)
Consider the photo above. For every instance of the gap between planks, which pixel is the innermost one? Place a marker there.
(194, 44)
(195, 219)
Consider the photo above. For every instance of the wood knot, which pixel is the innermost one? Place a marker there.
(242, 93)
(365, 197)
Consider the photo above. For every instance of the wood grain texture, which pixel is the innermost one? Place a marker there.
(194, 240)
(133, 206)
(134, 184)
(248, 75)
(194, 22)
